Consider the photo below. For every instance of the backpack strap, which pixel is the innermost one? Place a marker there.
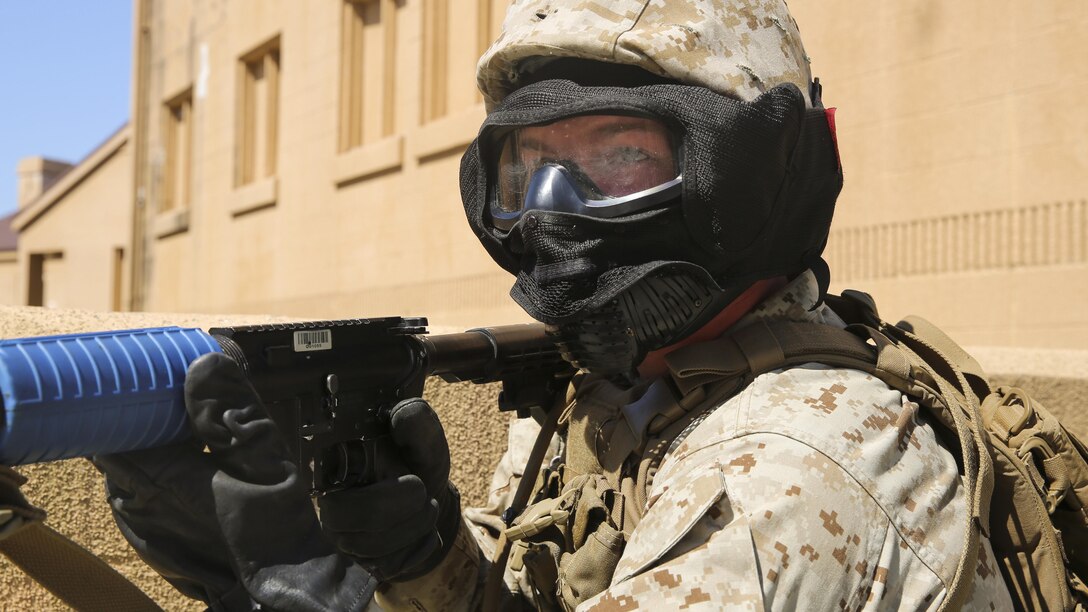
(957, 399)
(66, 569)
(951, 351)
(71, 572)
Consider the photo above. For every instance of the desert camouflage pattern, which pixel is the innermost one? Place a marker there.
(456, 584)
(739, 48)
(814, 488)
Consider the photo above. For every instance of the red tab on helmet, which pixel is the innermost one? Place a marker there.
(834, 136)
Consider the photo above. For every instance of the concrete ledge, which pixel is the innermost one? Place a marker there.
(171, 222)
(72, 491)
(370, 159)
(1053, 363)
(447, 134)
(259, 194)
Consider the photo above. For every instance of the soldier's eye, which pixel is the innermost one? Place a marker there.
(627, 155)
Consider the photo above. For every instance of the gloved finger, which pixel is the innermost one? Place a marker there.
(373, 507)
(263, 511)
(227, 415)
(261, 528)
(417, 432)
(410, 533)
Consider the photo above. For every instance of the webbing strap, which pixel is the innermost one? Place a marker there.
(71, 572)
(764, 346)
(977, 468)
(952, 352)
(968, 420)
(494, 584)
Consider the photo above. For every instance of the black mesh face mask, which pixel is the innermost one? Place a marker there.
(753, 197)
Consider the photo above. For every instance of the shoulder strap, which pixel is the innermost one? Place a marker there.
(66, 569)
(71, 572)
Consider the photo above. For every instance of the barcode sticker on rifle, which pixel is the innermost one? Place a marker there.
(313, 340)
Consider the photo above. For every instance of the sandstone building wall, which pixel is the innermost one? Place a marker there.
(958, 129)
(966, 196)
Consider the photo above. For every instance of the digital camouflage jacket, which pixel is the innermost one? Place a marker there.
(813, 488)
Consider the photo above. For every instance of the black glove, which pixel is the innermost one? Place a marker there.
(231, 526)
(403, 526)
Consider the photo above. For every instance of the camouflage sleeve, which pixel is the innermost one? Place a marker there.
(454, 585)
(814, 489)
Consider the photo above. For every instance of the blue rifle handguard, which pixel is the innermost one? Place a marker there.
(78, 395)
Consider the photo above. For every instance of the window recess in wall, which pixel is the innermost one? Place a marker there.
(42, 268)
(367, 140)
(257, 127)
(177, 142)
(435, 59)
(455, 33)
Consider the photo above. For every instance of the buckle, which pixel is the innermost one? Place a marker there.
(10, 522)
(540, 523)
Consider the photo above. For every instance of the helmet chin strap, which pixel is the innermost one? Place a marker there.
(654, 364)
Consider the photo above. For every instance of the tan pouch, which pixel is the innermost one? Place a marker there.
(1038, 513)
(595, 540)
(572, 543)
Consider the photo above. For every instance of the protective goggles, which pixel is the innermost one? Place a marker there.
(599, 165)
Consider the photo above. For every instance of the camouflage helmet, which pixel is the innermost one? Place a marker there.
(739, 48)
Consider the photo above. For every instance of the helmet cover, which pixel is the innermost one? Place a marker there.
(740, 48)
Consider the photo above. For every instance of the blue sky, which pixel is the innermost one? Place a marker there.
(65, 67)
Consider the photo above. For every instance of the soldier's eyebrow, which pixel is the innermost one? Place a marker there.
(633, 126)
(526, 142)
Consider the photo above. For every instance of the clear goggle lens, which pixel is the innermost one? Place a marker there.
(608, 156)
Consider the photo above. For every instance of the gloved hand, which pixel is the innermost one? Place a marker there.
(400, 527)
(232, 525)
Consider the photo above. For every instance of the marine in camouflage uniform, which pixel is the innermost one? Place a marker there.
(814, 487)
(811, 487)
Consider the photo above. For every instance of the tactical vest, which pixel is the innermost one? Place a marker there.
(1025, 476)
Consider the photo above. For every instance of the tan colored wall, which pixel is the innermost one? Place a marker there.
(85, 224)
(961, 131)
